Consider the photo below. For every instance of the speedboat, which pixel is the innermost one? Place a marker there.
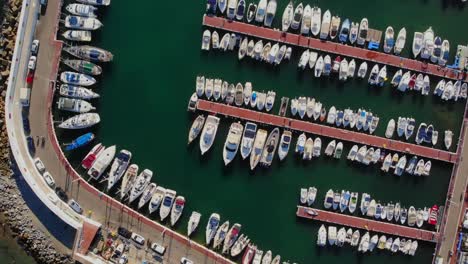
(302, 106)
(208, 133)
(419, 218)
(327, 65)
(353, 32)
(287, 17)
(270, 100)
(211, 227)
(396, 78)
(331, 118)
(141, 182)
(317, 147)
(389, 41)
(200, 86)
(353, 152)
(412, 216)
(257, 150)
(308, 149)
(251, 11)
(193, 222)
(261, 98)
(80, 121)
(373, 242)
(128, 180)
(232, 142)
(362, 71)
(101, 163)
(75, 78)
(217, 89)
(448, 138)
(341, 237)
(445, 52)
(363, 29)
(328, 202)
(206, 40)
(77, 35)
(355, 238)
(284, 145)
(338, 150)
(167, 203)
(334, 27)
(261, 9)
(336, 64)
(231, 9)
(437, 51)
(400, 41)
(336, 200)
(306, 20)
(303, 196)
(248, 139)
(231, 237)
(311, 195)
(74, 105)
(231, 93)
(344, 201)
(400, 167)
(83, 23)
(371, 208)
(316, 20)
(322, 236)
(310, 107)
(215, 40)
(421, 134)
(344, 32)
(332, 235)
(417, 43)
(412, 165)
(270, 148)
(118, 167)
(239, 245)
(177, 209)
(330, 148)
(157, 198)
(364, 244)
(90, 158)
(147, 194)
(247, 93)
(242, 49)
(351, 68)
(209, 83)
(428, 43)
(401, 126)
(353, 202)
(374, 75)
(196, 128)
(95, 2)
(294, 106)
(411, 123)
(387, 163)
(343, 75)
(270, 12)
(304, 60)
(325, 29)
(240, 10)
(239, 94)
(280, 55)
(312, 59)
(382, 76)
(81, 10)
(89, 53)
(297, 17)
(318, 67)
(300, 144)
(77, 92)
(390, 128)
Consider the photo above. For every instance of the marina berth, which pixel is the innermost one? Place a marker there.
(80, 121)
(89, 53)
(84, 66)
(77, 78)
(101, 163)
(84, 23)
(77, 35)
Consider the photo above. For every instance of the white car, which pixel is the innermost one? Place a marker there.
(185, 260)
(35, 47)
(123, 259)
(75, 206)
(49, 180)
(32, 63)
(138, 239)
(158, 248)
(39, 165)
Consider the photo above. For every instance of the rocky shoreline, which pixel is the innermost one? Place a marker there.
(15, 212)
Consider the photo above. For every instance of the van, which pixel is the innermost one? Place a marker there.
(39, 165)
(49, 180)
(75, 206)
(158, 248)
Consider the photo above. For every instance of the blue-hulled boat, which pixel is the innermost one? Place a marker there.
(421, 135)
(211, 6)
(344, 32)
(412, 165)
(339, 118)
(368, 121)
(80, 141)
(410, 127)
(361, 119)
(429, 132)
(240, 10)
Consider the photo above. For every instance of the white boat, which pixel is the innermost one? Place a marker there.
(389, 41)
(280, 55)
(417, 43)
(334, 26)
(341, 237)
(322, 236)
(250, 48)
(267, 257)
(448, 139)
(353, 202)
(211, 227)
(239, 245)
(208, 133)
(141, 182)
(352, 153)
(81, 10)
(364, 243)
(306, 20)
(193, 222)
(287, 17)
(206, 40)
(428, 43)
(167, 203)
(209, 84)
(373, 242)
(270, 100)
(316, 20)
(400, 41)
(343, 75)
(147, 195)
(242, 49)
(351, 68)
(297, 17)
(257, 150)
(77, 92)
(196, 128)
(261, 100)
(156, 199)
(331, 115)
(270, 13)
(231, 145)
(304, 60)
(362, 71)
(248, 139)
(363, 29)
(355, 238)
(128, 180)
(80, 121)
(338, 150)
(302, 106)
(200, 86)
(177, 209)
(374, 75)
(318, 67)
(118, 167)
(328, 202)
(325, 28)
(103, 160)
(300, 144)
(330, 148)
(249, 254)
(269, 149)
(353, 32)
(284, 144)
(395, 245)
(445, 53)
(318, 110)
(74, 105)
(311, 195)
(75, 78)
(90, 53)
(312, 59)
(247, 93)
(231, 9)
(332, 235)
(261, 10)
(258, 257)
(83, 23)
(396, 78)
(95, 2)
(390, 128)
(310, 107)
(413, 248)
(77, 35)
(231, 237)
(382, 242)
(372, 208)
(308, 149)
(317, 147)
(220, 235)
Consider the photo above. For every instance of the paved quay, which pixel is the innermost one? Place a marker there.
(327, 131)
(331, 47)
(103, 208)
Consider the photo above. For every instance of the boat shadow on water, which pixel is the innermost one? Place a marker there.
(451, 4)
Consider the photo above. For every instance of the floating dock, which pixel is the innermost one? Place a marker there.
(333, 47)
(326, 131)
(367, 224)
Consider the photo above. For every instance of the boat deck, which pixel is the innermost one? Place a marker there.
(333, 47)
(368, 224)
(327, 131)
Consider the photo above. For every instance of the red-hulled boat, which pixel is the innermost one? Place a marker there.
(433, 215)
(412, 82)
(336, 64)
(92, 155)
(249, 254)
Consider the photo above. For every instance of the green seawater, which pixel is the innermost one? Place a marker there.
(146, 88)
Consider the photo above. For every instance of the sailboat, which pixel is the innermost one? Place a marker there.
(77, 92)
(232, 142)
(128, 180)
(141, 182)
(193, 222)
(147, 195)
(208, 133)
(270, 148)
(118, 168)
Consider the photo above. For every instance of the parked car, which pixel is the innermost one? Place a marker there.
(49, 180)
(31, 147)
(35, 47)
(123, 259)
(30, 77)
(185, 260)
(32, 63)
(39, 165)
(61, 194)
(138, 239)
(158, 248)
(26, 127)
(43, 7)
(122, 231)
(75, 206)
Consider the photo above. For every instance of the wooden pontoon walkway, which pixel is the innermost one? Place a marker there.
(333, 47)
(327, 131)
(367, 224)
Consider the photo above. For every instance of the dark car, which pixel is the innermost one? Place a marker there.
(43, 7)
(124, 232)
(26, 127)
(61, 194)
(31, 147)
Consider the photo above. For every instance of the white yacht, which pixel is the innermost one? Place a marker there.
(287, 17)
(231, 145)
(400, 41)
(325, 28)
(167, 203)
(141, 182)
(128, 180)
(206, 40)
(284, 144)
(102, 162)
(147, 194)
(118, 167)
(362, 71)
(177, 209)
(211, 227)
(269, 149)
(193, 222)
(80, 121)
(322, 236)
(196, 128)
(84, 23)
(156, 199)
(208, 133)
(77, 35)
(248, 139)
(306, 20)
(220, 234)
(74, 105)
(257, 149)
(316, 20)
(81, 10)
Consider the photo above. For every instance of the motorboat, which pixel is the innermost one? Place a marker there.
(81, 10)
(77, 35)
(387, 163)
(400, 41)
(361, 154)
(270, 148)
(284, 144)
(361, 119)
(156, 199)
(353, 32)
(308, 149)
(344, 32)
(355, 238)
(448, 139)
(302, 106)
(306, 20)
(322, 236)
(388, 243)
(363, 30)
(177, 209)
(362, 71)
(318, 67)
(212, 227)
(419, 218)
(396, 78)
(200, 86)
(231, 93)
(311, 195)
(310, 107)
(409, 130)
(80, 121)
(437, 51)
(334, 26)
(270, 100)
(248, 139)
(390, 128)
(382, 76)
(209, 84)
(77, 92)
(351, 68)
(353, 152)
(382, 242)
(249, 254)
(270, 13)
(304, 60)
(90, 158)
(231, 9)
(374, 75)
(294, 106)
(193, 222)
(258, 257)
(332, 235)
(242, 49)
(413, 248)
(231, 145)
(89, 53)
(426, 88)
(400, 167)
(280, 55)
(344, 201)
(336, 200)
(336, 64)
(215, 40)
(300, 144)
(250, 48)
(239, 245)
(141, 182)
(101, 163)
(331, 118)
(224, 43)
(272, 54)
(196, 128)
(421, 134)
(83, 66)
(373, 242)
(395, 245)
(95, 2)
(257, 150)
(82, 23)
(428, 43)
(247, 93)
(403, 85)
(208, 133)
(364, 243)
(343, 75)
(412, 216)
(312, 59)
(433, 215)
(167, 203)
(211, 6)
(128, 180)
(338, 150)
(147, 195)
(327, 65)
(75, 78)
(417, 43)
(231, 237)
(418, 85)
(412, 165)
(261, 10)
(353, 202)
(239, 95)
(240, 10)
(297, 17)
(326, 24)
(445, 53)
(118, 168)
(330, 148)
(341, 237)
(401, 126)
(74, 105)
(287, 18)
(316, 20)
(389, 40)
(317, 147)
(371, 209)
(251, 12)
(261, 100)
(206, 40)
(328, 202)
(217, 89)
(397, 212)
